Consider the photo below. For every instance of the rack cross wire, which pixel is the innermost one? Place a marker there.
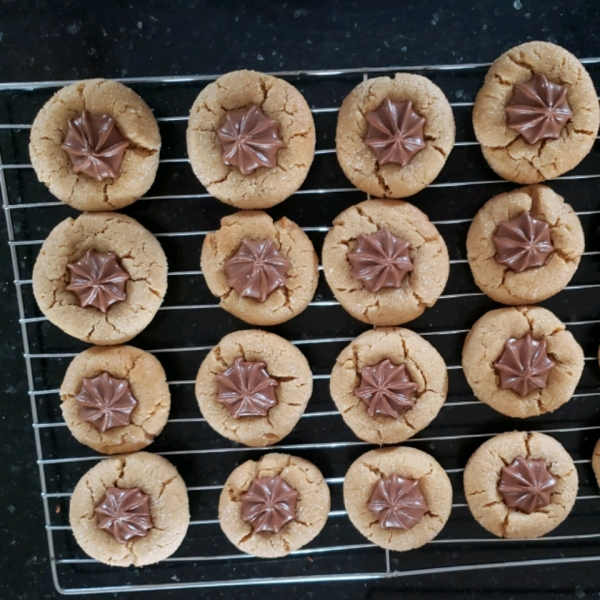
(180, 213)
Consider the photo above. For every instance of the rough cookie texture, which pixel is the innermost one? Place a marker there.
(596, 461)
(420, 288)
(482, 475)
(505, 149)
(279, 100)
(283, 361)
(312, 506)
(139, 253)
(533, 285)
(359, 162)
(293, 244)
(169, 509)
(147, 382)
(410, 463)
(425, 367)
(485, 343)
(134, 120)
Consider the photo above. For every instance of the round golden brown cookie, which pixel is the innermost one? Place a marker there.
(506, 151)
(419, 289)
(134, 120)
(312, 505)
(137, 251)
(485, 344)
(532, 285)
(409, 463)
(483, 474)
(147, 384)
(279, 100)
(596, 461)
(168, 503)
(425, 368)
(283, 362)
(360, 163)
(292, 244)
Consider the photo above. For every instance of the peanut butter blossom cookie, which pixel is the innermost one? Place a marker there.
(596, 455)
(596, 461)
(130, 509)
(96, 145)
(388, 384)
(399, 498)
(253, 386)
(264, 272)
(115, 399)
(522, 361)
(394, 135)
(537, 114)
(385, 261)
(273, 506)
(251, 139)
(524, 246)
(520, 485)
(100, 277)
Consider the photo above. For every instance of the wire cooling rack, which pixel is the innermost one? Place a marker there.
(180, 212)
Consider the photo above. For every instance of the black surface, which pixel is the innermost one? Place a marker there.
(51, 40)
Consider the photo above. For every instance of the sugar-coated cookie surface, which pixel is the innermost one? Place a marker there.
(283, 362)
(279, 100)
(596, 461)
(134, 120)
(482, 475)
(291, 242)
(148, 385)
(360, 163)
(169, 509)
(138, 252)
(312, 505)
(420, 288)
(506, 151)
(485, 344)
(409, 463)
(425, 367)
(534, 284)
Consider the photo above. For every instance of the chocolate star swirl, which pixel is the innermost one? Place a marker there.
(395, 132)
(538, 109)
(95, 145)
(526, 484)
(105, 401)
(249, 140)
(398, 503)
(269, 504)
(380, 260)
(523, 243)
(247, 389)
(257, 269)
(524, 365)
(98, 280)
(125, 513)
(387, 389)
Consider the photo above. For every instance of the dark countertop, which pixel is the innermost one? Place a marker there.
(69, 40)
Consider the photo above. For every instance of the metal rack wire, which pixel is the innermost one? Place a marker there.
(339, 553)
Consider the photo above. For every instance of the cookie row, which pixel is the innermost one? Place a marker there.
(383, 259)
(251, 136)
(133, 509)
(386, 262)
(388, 384)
